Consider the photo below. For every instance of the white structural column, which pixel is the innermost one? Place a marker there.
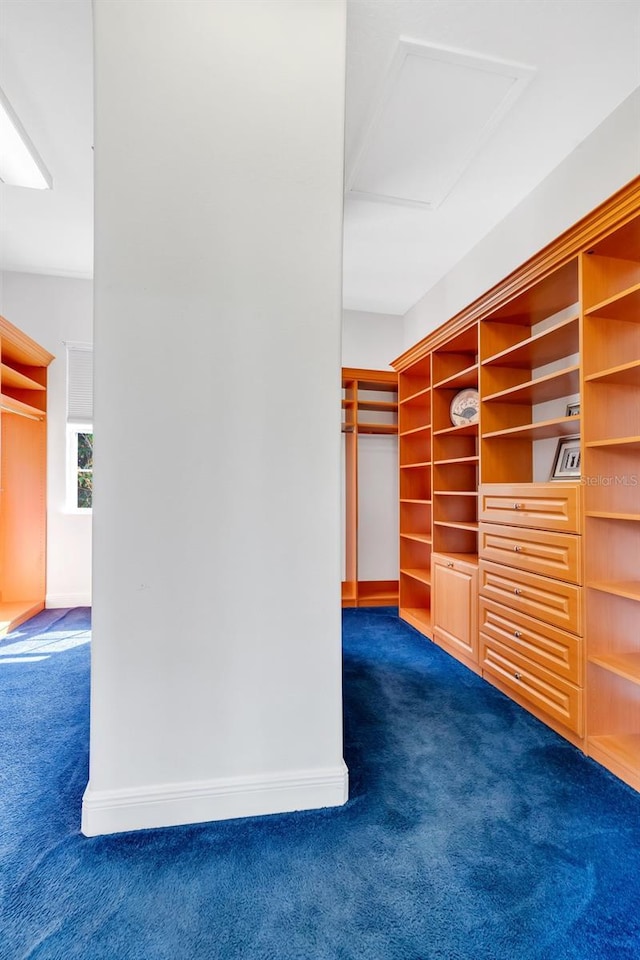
(216, 670)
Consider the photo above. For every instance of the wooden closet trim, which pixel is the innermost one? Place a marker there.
(612, 214)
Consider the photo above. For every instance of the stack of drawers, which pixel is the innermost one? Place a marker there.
(530, 616)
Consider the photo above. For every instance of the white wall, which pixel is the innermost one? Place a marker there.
(371, 340)
(216, 672)
(600, 165)
(53, 310)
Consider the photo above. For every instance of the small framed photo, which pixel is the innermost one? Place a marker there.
(573, 409)
(566, 465)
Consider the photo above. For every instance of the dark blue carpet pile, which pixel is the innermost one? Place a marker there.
(472, 832)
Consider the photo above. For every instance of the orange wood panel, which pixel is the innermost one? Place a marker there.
(455, 605)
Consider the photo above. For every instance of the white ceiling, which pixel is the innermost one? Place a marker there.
(410, 131)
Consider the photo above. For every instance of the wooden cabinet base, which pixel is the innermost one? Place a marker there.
(370, 593)
(541, 715)
(417, 617)
(15, 613)
(620, 754)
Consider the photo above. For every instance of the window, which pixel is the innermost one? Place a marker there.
(80, 466)
(79, 427)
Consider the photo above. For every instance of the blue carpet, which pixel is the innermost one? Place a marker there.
(472, 832)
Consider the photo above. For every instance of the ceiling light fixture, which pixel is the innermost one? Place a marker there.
(20, 162)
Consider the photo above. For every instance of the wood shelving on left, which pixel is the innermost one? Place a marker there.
(23, 471)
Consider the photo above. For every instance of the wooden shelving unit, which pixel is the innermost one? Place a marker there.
(416, 536)
(23, 439)
(554, 565)
(529, 356)
(369, 407)
(611, 387)
(530, 531)
(455, 449)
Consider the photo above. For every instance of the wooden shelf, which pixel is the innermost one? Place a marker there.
(622, 306)
(419, 394)
(471, 558)
(622, 749)
(607, 515)
(628, 442)
(422, 576)
(9, 405)
(454, 460)
(425, 428)
(625, 374)
(382, 405)
(455, 493)
(456, 525)
(466, 430)
(425, 502)
(418, 617)
(414, 466)
(385, 428)
(551, 387)
(377, 592)
(419, 537)
(618, 588)
(625, 665)
(560, 340)
(465, 378)
(17, 380)
(545, 429)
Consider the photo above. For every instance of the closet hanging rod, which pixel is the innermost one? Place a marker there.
(21, 413)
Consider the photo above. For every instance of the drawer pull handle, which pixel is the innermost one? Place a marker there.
(517, 634)
(517, 676)
(517, 591)
(450, 563)
(518, 549)
(518, 506)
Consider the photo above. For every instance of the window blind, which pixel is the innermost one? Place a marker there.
(79, 383)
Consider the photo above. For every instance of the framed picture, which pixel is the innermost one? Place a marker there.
(573, 409)
(566, 465)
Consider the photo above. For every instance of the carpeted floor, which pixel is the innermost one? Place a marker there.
(472, 832)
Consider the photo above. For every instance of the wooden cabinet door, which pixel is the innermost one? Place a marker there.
(454, 590)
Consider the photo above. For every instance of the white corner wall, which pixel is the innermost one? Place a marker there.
(599, 166)
(216, 671)
(371, 340)
(53, 310)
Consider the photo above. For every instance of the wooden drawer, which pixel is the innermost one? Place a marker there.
(555, 650)
(552, 601)
(561, 700)
(549, 506)
(546, 552)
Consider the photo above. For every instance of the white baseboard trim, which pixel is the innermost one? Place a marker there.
(169, 805)
(55, 601)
